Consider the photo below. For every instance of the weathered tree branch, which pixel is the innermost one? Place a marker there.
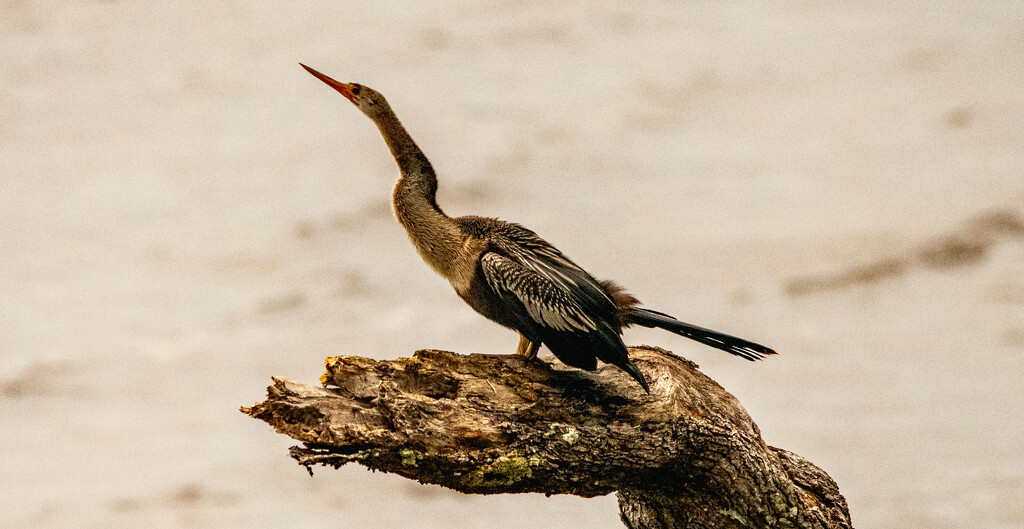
(686, 456)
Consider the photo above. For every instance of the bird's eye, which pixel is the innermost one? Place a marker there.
(355, 89)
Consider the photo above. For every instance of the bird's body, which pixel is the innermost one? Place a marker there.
(512, 276)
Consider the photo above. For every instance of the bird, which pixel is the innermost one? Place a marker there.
(512, 276)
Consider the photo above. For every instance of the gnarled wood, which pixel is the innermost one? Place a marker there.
(685, 456)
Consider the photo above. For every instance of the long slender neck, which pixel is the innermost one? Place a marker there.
(436, 237)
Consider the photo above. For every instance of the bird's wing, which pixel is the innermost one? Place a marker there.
(545, 301)
(579, 288)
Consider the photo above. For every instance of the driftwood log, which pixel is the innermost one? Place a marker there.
(685, 456)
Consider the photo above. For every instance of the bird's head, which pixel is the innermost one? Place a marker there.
(370, 101)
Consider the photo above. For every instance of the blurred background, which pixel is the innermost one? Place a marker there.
(184, 212)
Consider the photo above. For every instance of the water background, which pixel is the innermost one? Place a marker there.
(184, 212)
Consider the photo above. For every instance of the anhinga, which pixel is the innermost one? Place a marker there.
(513, 277)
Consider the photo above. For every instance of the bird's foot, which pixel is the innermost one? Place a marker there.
(527, 349)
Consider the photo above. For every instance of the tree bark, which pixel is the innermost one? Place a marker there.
(685, 456)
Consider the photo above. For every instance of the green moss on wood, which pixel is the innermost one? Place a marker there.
(409, 457)
(501, 472)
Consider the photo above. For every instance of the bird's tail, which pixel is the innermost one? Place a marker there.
(730, 344)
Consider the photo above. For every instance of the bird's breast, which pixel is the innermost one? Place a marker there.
(467, 267)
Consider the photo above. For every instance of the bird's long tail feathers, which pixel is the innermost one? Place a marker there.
(730, 344)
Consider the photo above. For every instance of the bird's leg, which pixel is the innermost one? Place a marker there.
(527, 349)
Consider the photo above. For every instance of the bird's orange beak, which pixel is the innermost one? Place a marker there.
(344, 88)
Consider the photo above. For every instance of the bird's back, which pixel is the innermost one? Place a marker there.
(529, 285)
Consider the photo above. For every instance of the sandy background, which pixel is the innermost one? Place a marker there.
(184, 212)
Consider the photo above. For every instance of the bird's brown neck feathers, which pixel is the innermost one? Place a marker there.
(436, 237)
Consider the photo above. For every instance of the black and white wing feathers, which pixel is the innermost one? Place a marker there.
(529, 250)
(556, 315)
(562, 305)
(547, 303)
